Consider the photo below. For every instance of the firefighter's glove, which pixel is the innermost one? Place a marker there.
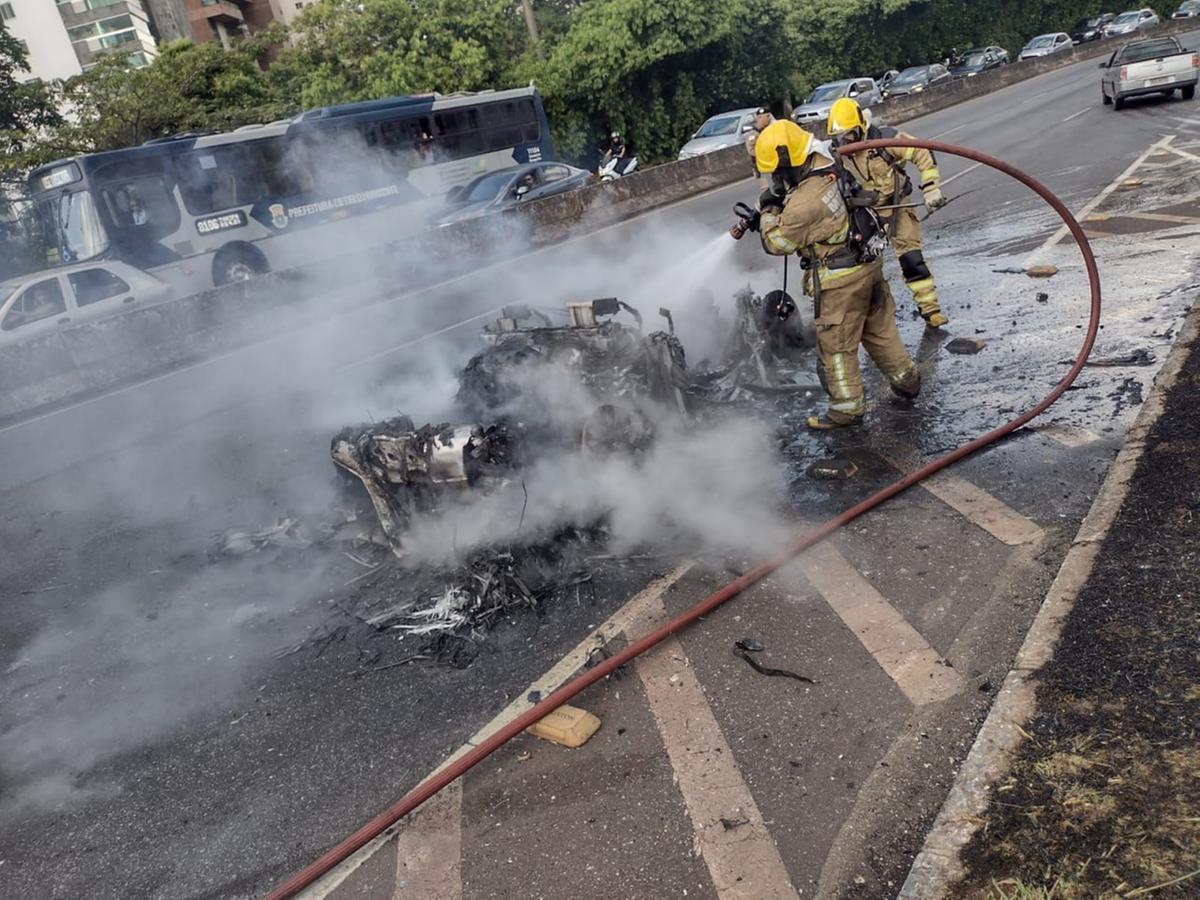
(934, 198)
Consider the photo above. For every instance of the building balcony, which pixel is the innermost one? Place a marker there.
(225, 12)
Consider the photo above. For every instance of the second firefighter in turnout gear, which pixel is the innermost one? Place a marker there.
(803, 212)
(882, 172)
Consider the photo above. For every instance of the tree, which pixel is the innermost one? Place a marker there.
(189, 87)
(632, 65)
(350, 50)
(26, 108)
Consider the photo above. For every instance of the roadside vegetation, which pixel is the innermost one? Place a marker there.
(653, 69)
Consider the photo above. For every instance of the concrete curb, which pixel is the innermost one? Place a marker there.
(937, 868)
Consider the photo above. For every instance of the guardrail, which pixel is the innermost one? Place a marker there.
(96, 357)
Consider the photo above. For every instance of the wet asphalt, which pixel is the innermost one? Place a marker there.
(152, 743)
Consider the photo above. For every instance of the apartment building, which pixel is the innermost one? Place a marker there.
(64, 38)
(224, 20)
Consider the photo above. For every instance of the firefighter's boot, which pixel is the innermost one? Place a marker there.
(907, 383)
(920, 281)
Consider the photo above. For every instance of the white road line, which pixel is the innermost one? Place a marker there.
(1078, 114)
(957, 175)
(429, 850)
(974, 504)
(980, 508)
(744, 862)
(897, 647)
(1184, 154)
(1063, 231)
(942, 134)
(638, 608)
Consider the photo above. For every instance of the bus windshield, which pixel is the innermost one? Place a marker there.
(70, 227)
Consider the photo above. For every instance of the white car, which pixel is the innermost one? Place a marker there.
(722, 130)
(46, 301)
(1045, 44)
(1131, 21)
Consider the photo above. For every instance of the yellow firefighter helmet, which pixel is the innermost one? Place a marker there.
(786, 134)
(846, 115)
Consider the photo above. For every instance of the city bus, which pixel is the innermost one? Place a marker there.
(205, 210)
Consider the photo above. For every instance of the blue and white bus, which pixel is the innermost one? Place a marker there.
(207, 210)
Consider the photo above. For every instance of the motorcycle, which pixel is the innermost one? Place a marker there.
(614, 167)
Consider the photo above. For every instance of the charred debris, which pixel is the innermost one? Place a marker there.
(593, 385)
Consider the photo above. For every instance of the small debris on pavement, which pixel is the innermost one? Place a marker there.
(832, 469)
(1130, 184)
(534, 696)
(730, 824)
(524, 756)
(742, 650)
(286, 534)
(1042, 297)
(1140, 357)
(750, 645)
(1098, 217)
(1041, 271)
(965, 346)
(567, 726)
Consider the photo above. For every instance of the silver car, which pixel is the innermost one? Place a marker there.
(722, 130)
(47, 301)
(1188, 9)
(1132, 21)
(816, 107)
(1045, 44)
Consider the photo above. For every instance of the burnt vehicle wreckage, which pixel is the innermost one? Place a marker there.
(591, 387)
(613, 385)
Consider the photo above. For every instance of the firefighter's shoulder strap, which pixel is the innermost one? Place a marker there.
(877, 132)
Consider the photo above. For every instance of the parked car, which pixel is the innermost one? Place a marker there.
(1155, 66)
(915, 79)
(1045, 44)
(1091, 29)
(979, 60)
(46, 301)
(501, 189)
(719, 131)
(1132, 21)
(1188, 9)
(816, 107)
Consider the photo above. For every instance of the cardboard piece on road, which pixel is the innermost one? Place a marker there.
(965, 346)
(567, 726)
(1041, 271)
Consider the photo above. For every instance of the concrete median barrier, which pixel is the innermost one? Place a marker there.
(97, 357)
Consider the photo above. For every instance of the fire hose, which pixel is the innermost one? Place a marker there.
(422, 792)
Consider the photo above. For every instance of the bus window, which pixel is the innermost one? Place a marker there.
(213, 180)
(277, 171)
(401, 141)
(145, 203)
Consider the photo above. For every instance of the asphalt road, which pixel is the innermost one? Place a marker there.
(151, 743)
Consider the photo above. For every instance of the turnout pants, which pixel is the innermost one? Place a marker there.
(904, 229)
(855, 307)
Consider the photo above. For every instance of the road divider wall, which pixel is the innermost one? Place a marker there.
(100, 356)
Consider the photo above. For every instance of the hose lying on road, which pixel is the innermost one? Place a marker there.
(418, 795)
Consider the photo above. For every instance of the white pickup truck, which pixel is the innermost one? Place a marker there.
(1156, 66)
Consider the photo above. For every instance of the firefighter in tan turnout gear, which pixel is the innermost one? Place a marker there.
(803, 212)
(882, 173)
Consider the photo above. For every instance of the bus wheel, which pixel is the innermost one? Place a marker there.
(238, 263)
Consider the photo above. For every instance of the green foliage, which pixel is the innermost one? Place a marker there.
(189, 87)
(350, 50)
(653, 69)
(26, 108)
